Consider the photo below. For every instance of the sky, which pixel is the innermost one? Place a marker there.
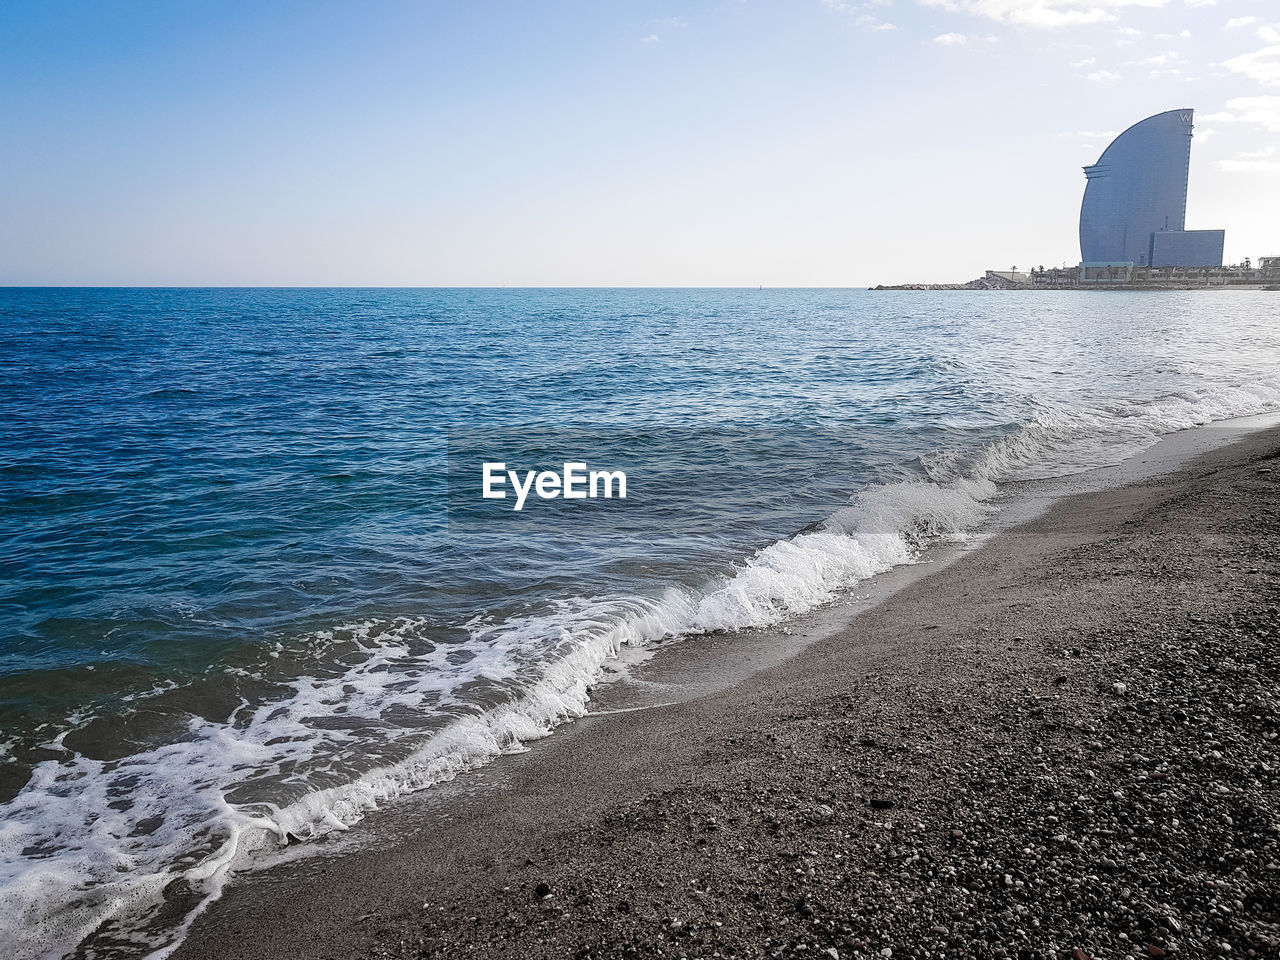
(627, 143)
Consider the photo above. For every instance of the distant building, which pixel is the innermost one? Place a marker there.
(1102, 272)
(1016, 277)
(1187, 248)
(1135, 201)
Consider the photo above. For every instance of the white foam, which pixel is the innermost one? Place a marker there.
(72, 844)
(1060, 441)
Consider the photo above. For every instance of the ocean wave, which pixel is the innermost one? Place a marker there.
(185, 811)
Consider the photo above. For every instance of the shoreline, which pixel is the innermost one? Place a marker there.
(958, 772)
(1091, 287)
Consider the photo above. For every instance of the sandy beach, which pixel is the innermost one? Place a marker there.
(1062, 745)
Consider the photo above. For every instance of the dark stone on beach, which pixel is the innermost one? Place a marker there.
(1154, 951)
(881, 803)
(543, 889)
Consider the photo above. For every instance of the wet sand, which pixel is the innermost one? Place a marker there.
(1063, 744)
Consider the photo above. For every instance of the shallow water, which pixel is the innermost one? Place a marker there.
(251, 590)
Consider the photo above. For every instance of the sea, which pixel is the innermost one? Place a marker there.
(251, 589)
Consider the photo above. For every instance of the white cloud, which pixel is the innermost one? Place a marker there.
(1259, 111)
(1160, 59)
(1087, 137)
(1249, 166)
(663, 24)
(1103, 76)
(1041, 13)
(1269, 34)
(1256, 154)
(1204, 133)
(1261, 65)
(864, 20)
(1201, 3)
(1081, 64)
(1130, 31)
(868, 22)
(951, 39)
(1185, 34)
(667, 23)
(1240, 22)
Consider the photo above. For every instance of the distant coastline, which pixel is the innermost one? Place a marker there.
(1116, 277)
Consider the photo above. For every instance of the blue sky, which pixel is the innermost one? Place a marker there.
(727, 142)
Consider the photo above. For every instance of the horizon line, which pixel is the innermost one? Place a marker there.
(511, 286)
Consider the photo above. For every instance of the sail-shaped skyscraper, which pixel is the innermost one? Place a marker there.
(1135, 201)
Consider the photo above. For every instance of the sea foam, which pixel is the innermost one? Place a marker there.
(89, 841)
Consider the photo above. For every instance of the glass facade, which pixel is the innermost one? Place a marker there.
(1137, 188)
(1188, 248)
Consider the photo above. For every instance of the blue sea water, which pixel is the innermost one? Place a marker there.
(250, 589)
